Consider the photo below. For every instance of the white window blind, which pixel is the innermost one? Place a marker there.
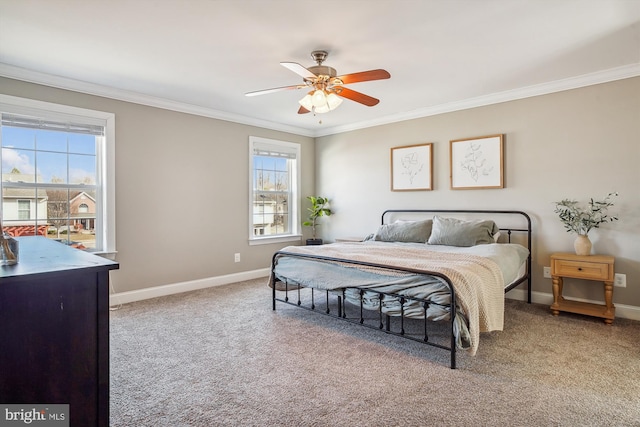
(262, 148)
(58, 126)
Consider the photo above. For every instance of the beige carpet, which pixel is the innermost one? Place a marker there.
(222, 357)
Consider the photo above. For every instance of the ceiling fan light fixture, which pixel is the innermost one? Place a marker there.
(333, 101)
(320, 101)
(319, 98)
(306, 102)
(322, 109)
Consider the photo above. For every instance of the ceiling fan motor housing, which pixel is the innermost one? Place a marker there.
(323, 70)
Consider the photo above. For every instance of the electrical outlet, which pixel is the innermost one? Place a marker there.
(236, 257)
(546, 272)
(620, 280)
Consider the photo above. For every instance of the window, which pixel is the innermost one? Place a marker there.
(24, 209)
(57, 180)
(273, 205)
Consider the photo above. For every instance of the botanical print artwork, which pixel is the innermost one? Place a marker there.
(477, 162)
(411, 167)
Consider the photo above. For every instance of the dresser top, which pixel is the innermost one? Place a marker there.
(39, 255)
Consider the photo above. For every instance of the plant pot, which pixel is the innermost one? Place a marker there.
(582, 245)
(311, 242)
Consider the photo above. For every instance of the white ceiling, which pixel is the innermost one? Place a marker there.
(201, 56)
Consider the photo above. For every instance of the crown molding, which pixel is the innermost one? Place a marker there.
(619, 73)
(80, 86)
(605, 76)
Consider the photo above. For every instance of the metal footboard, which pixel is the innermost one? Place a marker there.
(334, 303)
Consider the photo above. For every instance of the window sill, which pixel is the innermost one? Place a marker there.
(275, 239)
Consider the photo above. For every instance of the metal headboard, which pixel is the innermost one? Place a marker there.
(474, 212)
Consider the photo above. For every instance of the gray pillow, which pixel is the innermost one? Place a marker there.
(405, 231)
(455, 232)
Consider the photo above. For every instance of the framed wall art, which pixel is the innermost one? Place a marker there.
(477, 162)
(412, 168)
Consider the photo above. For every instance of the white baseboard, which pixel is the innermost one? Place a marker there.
(176, 288)
(623, 311)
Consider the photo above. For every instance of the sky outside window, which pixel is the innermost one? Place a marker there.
(60, 156)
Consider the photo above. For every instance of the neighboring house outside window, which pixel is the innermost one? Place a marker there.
(57, 164)
(274, 200)
(82, 208)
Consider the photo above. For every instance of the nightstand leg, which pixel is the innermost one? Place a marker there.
(608, 301)
(557, 294)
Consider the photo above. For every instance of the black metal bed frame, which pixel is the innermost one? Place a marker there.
(384, 320)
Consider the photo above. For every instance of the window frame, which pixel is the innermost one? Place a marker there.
(105, 153)
(294, 233)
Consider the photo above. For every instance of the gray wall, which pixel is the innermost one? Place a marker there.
(575, 144)
(182, 190)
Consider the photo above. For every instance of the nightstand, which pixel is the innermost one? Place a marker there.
(588, 267)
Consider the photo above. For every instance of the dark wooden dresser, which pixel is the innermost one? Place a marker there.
(54, 330)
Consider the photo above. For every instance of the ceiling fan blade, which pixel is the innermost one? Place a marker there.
(303, 110)
(275, 89)
(357, 96)
(299, 70)
(364, 76)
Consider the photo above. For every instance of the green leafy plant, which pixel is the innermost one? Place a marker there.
(580, 219)
(318, 208)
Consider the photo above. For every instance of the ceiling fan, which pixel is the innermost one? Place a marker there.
(327, 89)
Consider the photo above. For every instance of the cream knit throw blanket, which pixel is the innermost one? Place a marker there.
(477, 281)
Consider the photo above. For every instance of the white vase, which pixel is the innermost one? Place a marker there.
(582, 245)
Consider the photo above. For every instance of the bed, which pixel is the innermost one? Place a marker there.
(417, 268)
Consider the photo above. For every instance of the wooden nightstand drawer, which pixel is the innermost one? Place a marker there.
(590, 267)
(580, 270)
